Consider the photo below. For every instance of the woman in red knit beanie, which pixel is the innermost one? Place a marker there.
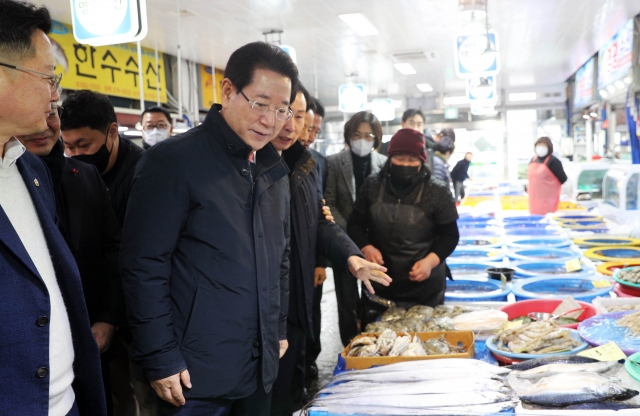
(405, 220)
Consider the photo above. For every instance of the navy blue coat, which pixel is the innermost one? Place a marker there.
(204, 259)
(310, 231)
(24, 345)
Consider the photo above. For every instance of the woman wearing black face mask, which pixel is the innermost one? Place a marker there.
(405, 220)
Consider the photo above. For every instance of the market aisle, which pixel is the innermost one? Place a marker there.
(330, 335)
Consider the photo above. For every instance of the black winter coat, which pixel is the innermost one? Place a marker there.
(205, 261)
(92, 232)
(310, 230)
(119, 179)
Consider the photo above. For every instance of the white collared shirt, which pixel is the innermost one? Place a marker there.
(13, 149)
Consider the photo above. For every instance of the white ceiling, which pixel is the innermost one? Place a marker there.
(542, 42)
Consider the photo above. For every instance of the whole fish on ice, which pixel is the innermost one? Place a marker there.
(538, 362)
(560, 368)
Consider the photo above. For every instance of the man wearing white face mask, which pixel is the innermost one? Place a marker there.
(347, 171)
(156, 126)
(546, 177)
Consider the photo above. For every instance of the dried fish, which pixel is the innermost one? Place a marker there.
(631, 321)
(385, 341)
(625, 307)
(400, 344)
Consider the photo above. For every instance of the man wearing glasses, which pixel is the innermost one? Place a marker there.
(90, 228)
(156, 126)
(205, 246)
(49, 360)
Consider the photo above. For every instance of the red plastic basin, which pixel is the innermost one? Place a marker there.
(525, 307)
(625, 291)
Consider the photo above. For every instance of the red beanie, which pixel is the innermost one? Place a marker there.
(408, 142)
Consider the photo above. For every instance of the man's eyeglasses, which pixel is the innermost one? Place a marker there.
(282, 114)
(159, 126)
(53, 80)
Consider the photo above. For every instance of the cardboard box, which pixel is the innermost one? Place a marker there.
(464, 338)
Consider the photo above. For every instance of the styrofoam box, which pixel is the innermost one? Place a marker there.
(603, 304)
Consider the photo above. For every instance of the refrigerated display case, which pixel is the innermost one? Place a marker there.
(585, 180)
(621, 186)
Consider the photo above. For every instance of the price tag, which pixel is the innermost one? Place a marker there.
(573, 265)
(513, 324)
(606, 352)
(601, 284)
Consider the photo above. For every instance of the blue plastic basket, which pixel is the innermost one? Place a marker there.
(526, 224)
(558, 288)
(475, 254)
(540, 254)
(523, 218)
(462, 290)
(539, 242)
(533, 232)
(470, 218)
(479, 241)
(468, 270)
(528, 269)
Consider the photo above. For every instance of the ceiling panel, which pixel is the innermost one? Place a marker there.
(542, 42)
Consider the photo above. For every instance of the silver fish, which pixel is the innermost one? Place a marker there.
(415, 375)
(483, 409)
(429, 387)
(538, 362)
(422, 400)
(443, 363)
(574, 388)
(558, 368)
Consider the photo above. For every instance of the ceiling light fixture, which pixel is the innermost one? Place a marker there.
(593, 114)
(523, 96)
(619, 84)
(603, 93)
(611, 89)
(123, 128)
(405, 68)
(424, 87)
(627, 80)
(586, 117)
(359, 23)
(455, 100)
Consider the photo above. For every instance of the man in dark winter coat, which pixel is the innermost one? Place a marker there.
(90, 134)
(459, 174)
(49, 360)
(205, 247)
(309, 230)
(90, 228)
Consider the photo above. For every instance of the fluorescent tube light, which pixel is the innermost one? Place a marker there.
(455, 100)
(405, 68)
(522, 96)
(611, 89)
(359, 23)
(424, 87)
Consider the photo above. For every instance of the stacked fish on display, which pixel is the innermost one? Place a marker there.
(440, 386)
(389, 344)
(571, 383)
(539, 337)
(420, 318)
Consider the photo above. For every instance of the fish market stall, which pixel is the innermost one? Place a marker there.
(584, 289)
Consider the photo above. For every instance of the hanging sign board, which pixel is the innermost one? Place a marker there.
(352, 98)
(110, 70)
(206, 85)
(470, 60)
(615, 58)
(482, 90)
(584, 94)
(383, 109)
(108, 22)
